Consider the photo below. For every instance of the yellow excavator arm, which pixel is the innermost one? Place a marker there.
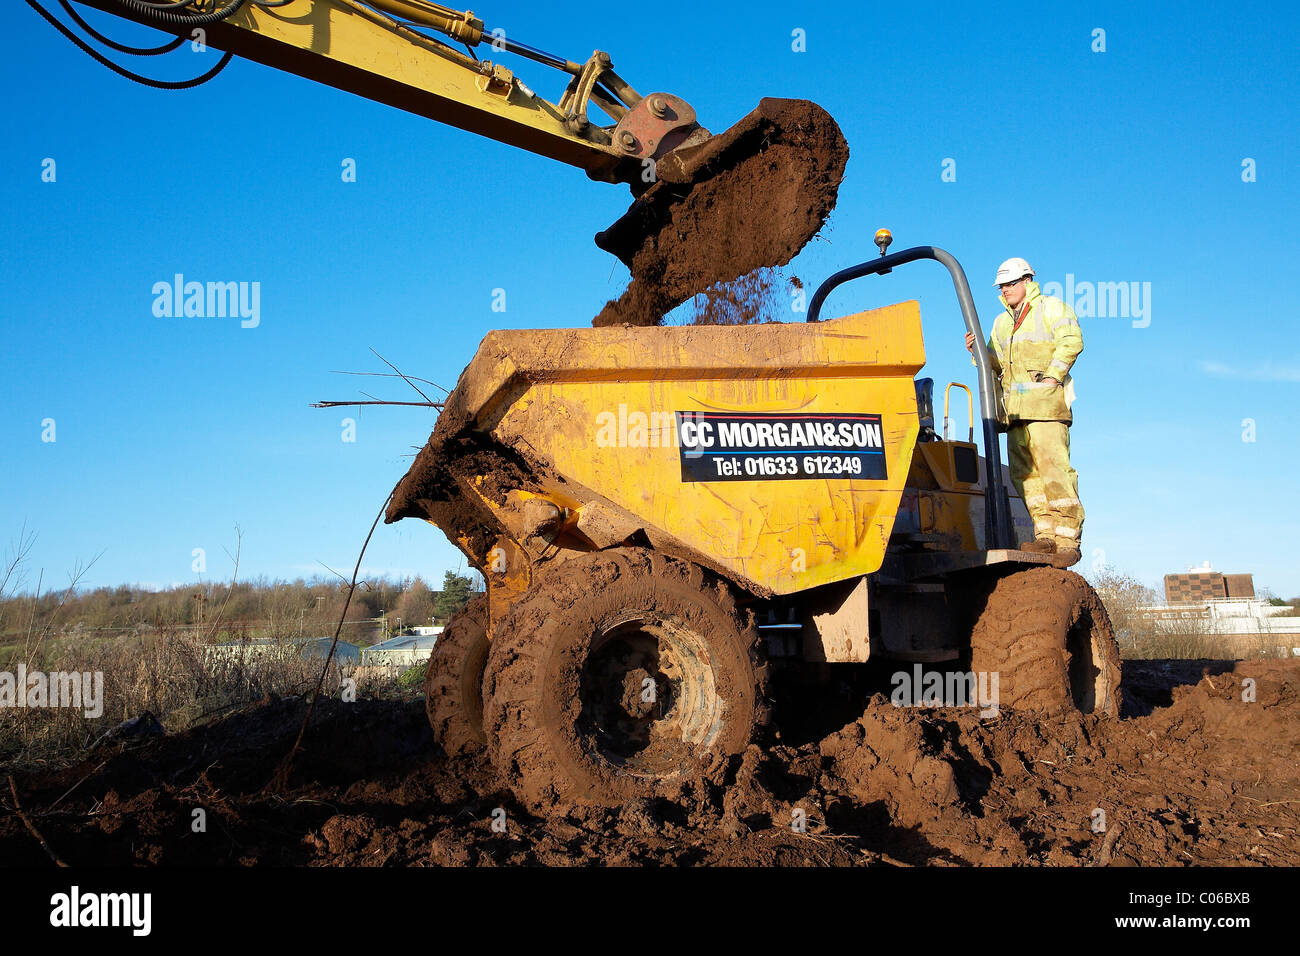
(772, 176)
(383, 50)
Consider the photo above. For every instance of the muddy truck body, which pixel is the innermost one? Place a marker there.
(662, 515)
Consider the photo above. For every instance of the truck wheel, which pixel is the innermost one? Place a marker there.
(1047, 636)
(453, 682)
(623, 674)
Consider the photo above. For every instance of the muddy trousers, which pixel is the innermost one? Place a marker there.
(1039, 454)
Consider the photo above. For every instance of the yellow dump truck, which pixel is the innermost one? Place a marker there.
(664, 514)
(661, 512)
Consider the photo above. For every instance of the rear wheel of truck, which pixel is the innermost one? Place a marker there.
(623, 674)
(1047, 636)
(453, 683)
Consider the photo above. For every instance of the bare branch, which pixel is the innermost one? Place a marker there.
(239, 546)
(281, 778)
(18, 809)
(331, 571)
(17, 556)
(399, 372)
(337, 404)
(412, 378)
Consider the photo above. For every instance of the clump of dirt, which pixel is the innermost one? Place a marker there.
(754, 298)
(740, 216)
(456, 455)
(1208, 778)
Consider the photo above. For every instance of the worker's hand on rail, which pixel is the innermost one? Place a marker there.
(970, 342)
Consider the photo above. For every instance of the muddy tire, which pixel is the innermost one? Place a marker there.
(453, 683)
(621, 675)
(1047, 635)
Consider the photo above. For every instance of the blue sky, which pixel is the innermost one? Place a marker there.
(1116, 166)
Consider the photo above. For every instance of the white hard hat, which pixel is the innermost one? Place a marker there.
(1011, 270)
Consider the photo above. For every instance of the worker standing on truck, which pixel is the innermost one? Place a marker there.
(1034, 342)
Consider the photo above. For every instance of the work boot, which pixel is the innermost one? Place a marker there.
(1068, 552)
(1040, 546)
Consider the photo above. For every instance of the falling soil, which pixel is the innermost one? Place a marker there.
(756, 297)
(769, 192)
(1191, 774)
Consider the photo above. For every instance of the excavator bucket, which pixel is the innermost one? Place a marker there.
(747, 198)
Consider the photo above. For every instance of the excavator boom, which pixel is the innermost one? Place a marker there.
(383, 50)
(401, 52)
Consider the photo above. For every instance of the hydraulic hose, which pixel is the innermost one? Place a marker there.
(167, 15)
(123, 71)
(113, 44)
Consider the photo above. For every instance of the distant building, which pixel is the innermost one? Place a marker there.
(427, 631)
(1226, 616)
(306, 648)
(1204, 601)
(1205, 584)
(402, 651)
(317, 648)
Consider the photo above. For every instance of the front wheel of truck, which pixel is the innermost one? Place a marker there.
(623, 674)
(454, 681)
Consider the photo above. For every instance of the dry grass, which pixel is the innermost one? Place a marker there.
(167, 674)
(1185, 639)
(1160, 643)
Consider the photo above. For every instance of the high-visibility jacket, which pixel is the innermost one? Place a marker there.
(1045, 345)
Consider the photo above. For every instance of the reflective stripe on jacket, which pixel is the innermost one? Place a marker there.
(1044, 346)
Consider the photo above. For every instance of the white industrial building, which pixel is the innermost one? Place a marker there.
(1226, 616)
(1202, 600)
(405, 650)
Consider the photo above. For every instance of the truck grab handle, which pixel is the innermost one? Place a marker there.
(997, 506)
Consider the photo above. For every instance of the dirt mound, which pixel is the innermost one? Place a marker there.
(758, 212)
(1208, 778)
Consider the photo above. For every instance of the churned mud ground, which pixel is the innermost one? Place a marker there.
(1192, 774)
